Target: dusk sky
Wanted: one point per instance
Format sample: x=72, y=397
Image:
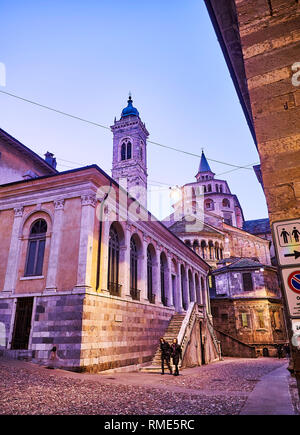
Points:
x=83, y=57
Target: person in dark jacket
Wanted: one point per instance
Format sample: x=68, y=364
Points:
x=176, y=354
x=279, y=350
x=165, y=349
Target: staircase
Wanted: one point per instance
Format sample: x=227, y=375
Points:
x=171, y=333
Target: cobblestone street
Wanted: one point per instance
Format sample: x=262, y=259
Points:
x=217, y=389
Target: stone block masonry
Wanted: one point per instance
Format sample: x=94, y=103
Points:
x=92, y=332
x=118, y=333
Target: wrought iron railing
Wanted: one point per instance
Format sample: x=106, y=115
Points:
x=114, y=288
x=135, y=294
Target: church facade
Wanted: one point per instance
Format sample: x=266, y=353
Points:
x=85, y=267
x=244, y=288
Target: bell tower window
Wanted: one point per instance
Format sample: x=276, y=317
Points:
x=126, y=150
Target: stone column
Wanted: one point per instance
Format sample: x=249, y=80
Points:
x=55, y=245
x=156, y=277
x=179, y=290
x=168, y=283
x=186, y=287
x=84, y=273
x=14, y=253
x=194, y=296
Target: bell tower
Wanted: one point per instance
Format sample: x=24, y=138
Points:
x=129, y=166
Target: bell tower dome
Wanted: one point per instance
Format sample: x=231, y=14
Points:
x=129, y=166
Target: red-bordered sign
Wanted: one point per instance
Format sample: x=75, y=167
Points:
x=294, y=281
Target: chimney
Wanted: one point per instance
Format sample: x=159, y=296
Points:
x=50, y=159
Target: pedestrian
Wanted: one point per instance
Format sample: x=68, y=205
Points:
x=279, y=351
x=176, y=354
x=287, y=350
x=165, y=349
x=53, y=358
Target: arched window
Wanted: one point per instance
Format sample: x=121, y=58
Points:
x=151, y=296
x=163, y=280
x=36, y=248
x=211, y=250
x=221, y=188
x=217, y=188
x=123, y=152
x=196, y=246
x=209, y=204
x=209, y=188
x=203, y=249
x=217, y=251
x=226, y=203
x=133, y=265
x=129, y=150
x=113, y=262
x=126, y=150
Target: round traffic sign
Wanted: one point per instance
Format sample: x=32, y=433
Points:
x=294, y=281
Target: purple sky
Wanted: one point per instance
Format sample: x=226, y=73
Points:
x=84, y=58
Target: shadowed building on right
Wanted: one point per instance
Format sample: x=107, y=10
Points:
x=247, y=308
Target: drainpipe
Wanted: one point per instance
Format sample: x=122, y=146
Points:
x=100, y=238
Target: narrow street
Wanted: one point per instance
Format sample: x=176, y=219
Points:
x=222, y=388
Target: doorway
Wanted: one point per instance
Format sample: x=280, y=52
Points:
x=22, y=326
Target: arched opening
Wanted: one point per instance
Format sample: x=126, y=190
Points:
x=134, y=267
x=126, y=150
x=123, y=151
x=113, y=262
x=174, y=284
x=191, y=286
x=129, y=150
x=198, y=292
x=36, y=248
x=217, y=251
x=150, y=265
x=163, y=279
x=203, y=249
x=196, y=246
x=211, y=250
x=226, y=203
x=183, y=288
x=209, y=204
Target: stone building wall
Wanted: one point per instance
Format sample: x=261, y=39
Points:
x=118, y=333
x=228, y=318
x=74, y=307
